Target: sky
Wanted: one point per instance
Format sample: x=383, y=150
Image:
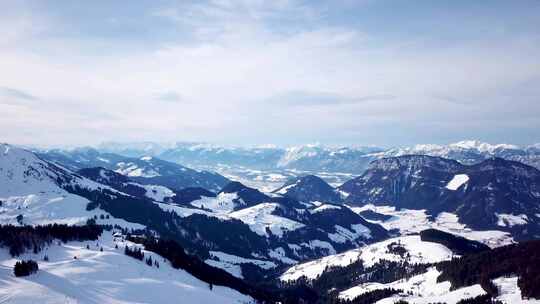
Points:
x=364, y=72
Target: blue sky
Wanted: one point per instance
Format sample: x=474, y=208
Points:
x=250, y=72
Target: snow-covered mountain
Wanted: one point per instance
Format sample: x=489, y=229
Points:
x=144, y=169
x=494, y=194
x=310, y=188
x=238, y=222
x=470, y=152
x=33, y=191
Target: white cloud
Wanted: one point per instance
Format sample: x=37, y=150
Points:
x=238, y=70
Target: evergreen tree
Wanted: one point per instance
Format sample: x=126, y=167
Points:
x=25, y=268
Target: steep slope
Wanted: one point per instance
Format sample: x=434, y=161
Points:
x=33, y=191
x=124, y=184
x=494, y=194
x=310, y=188
x=145, y=170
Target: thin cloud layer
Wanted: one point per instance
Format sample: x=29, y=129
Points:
x=11, y=93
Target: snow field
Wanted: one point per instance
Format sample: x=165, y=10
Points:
x=104, y=277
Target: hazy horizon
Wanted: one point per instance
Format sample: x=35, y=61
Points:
x=172, y=144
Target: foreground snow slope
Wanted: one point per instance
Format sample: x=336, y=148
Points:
x=104, y=277
x=422, y=288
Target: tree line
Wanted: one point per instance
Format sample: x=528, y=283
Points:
x=19, y=239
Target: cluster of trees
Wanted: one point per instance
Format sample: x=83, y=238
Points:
x=371, y=296
x=483, y=299
x=520, y=259
x=398, y=249
x=19, y=239
x=25, y=268
x=135, y=253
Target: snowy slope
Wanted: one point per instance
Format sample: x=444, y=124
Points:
x=32, y=188
x=509, y=291
x=457, y=181
x=157, y=193
x=104, y=277
x=231, y=263
x=259, y=218
x=419, y=251
x=222, y=204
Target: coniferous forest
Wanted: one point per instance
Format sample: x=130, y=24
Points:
x=19, y=239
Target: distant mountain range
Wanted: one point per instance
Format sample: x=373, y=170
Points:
x=319, y=158
x=144, y=169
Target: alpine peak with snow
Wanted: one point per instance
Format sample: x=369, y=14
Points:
x=290, y=151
